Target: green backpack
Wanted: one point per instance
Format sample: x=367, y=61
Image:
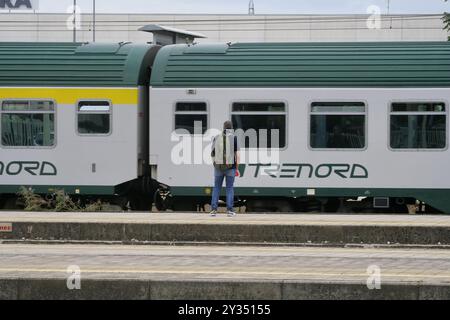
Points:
x=224, y=152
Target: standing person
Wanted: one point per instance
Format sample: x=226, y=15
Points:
x=225, y=154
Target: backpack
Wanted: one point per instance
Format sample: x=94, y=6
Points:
x=223, y=157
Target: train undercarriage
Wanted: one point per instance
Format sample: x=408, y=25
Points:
x=146, y=194
x=361, y=205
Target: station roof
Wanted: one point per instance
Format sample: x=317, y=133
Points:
x=75, y=64
x=356, y=64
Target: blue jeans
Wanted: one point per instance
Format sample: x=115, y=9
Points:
x=218, y=181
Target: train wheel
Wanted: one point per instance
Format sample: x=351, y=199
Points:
x=123, y=203
x=284, y=207
x=185, y=204
x=334, y=205
x=13, y=203
x=140, y=204
x=269, y=205
x=163, y=199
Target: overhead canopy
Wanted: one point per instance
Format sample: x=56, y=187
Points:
x=75, y=64
x=357, y=64
x=163, y=35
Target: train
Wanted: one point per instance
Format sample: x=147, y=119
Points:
x=340, y=127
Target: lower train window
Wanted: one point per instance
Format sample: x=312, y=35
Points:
x=94, y=117
x=190, y=116
x=27, y=123
x=418, y=125
x=260, y=124
x=338, y=125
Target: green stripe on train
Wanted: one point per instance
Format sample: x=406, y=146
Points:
x=81, y=190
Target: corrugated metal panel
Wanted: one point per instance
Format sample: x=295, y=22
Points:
x=359, y=64
x=75, y=64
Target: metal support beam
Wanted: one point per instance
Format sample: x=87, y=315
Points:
x=93, y=27
x=74, y=20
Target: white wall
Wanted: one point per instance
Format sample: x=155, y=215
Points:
x=224, y=28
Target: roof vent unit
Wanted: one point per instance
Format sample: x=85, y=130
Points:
x=164, y=36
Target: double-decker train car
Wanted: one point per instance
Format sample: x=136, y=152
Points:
x=340, y=127
x=361, y=126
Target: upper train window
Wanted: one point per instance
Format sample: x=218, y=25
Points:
x=94, y=117
x=338, y=125
x=260, y=124
x=191, y=117
x=418, y=125
x=27, y=123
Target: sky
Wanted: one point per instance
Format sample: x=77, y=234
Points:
x=241, y=6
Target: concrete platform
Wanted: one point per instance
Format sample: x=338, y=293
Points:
x=211, y=272
x=309, y=229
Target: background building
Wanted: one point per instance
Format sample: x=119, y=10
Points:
x=223, y=28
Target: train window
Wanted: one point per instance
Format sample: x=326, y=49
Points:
x=260, y=124
x=190, y=114
x=338, y=125
x=94, y=117
x=418, y=125
x=27, y=123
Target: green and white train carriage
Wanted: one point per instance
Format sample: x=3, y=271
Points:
x=75, y=117
x=357, y=121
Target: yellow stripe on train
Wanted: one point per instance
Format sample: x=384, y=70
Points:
x=72, y=95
